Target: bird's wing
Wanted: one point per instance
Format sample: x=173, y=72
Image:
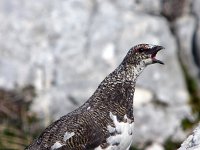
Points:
x=87, y=133
x=72, y=132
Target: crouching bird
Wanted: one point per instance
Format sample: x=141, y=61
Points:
x=106, y=120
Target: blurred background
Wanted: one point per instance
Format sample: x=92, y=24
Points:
x=54, y=53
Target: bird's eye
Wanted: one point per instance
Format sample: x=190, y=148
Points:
x=141, y=50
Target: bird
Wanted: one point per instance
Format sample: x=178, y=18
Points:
x=106, y=120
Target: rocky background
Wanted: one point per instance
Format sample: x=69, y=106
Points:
x=54, y=53
x=192, y=142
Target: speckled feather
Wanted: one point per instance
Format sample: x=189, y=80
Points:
x=86, y=128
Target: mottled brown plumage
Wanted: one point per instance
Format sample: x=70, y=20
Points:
x=91, y=125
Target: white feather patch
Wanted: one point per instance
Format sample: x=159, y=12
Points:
x=125, y=130
x=111, y=129
x=56, y=145
x=68, y=135
x=123, y=138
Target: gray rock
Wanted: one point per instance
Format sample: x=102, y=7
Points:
x=196, y=48
x=173, y=9
x=155, y=146
x=192, y=142
x=185, y=29
x=195, y=8
x=147, y=6
x=140, y=6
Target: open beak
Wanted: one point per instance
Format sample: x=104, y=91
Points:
x=153, y=51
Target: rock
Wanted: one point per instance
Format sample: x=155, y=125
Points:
x=195, y=8
x=36, y=33
x=196, y=48
x=152, y=116
x=143, y=97
x=173, y=9
x=192, y=142
x=140, y=6
x=147, y=6
x=155, y=146
x=185, y=29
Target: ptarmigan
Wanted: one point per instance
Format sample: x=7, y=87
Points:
x=106, y=120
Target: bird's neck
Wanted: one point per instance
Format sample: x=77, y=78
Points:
x=121, y=77
x=126, y=73
x=129, y=72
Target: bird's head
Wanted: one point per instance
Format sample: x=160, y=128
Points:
x=143, y=55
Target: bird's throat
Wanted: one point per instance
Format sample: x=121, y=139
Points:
x=130, y=72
